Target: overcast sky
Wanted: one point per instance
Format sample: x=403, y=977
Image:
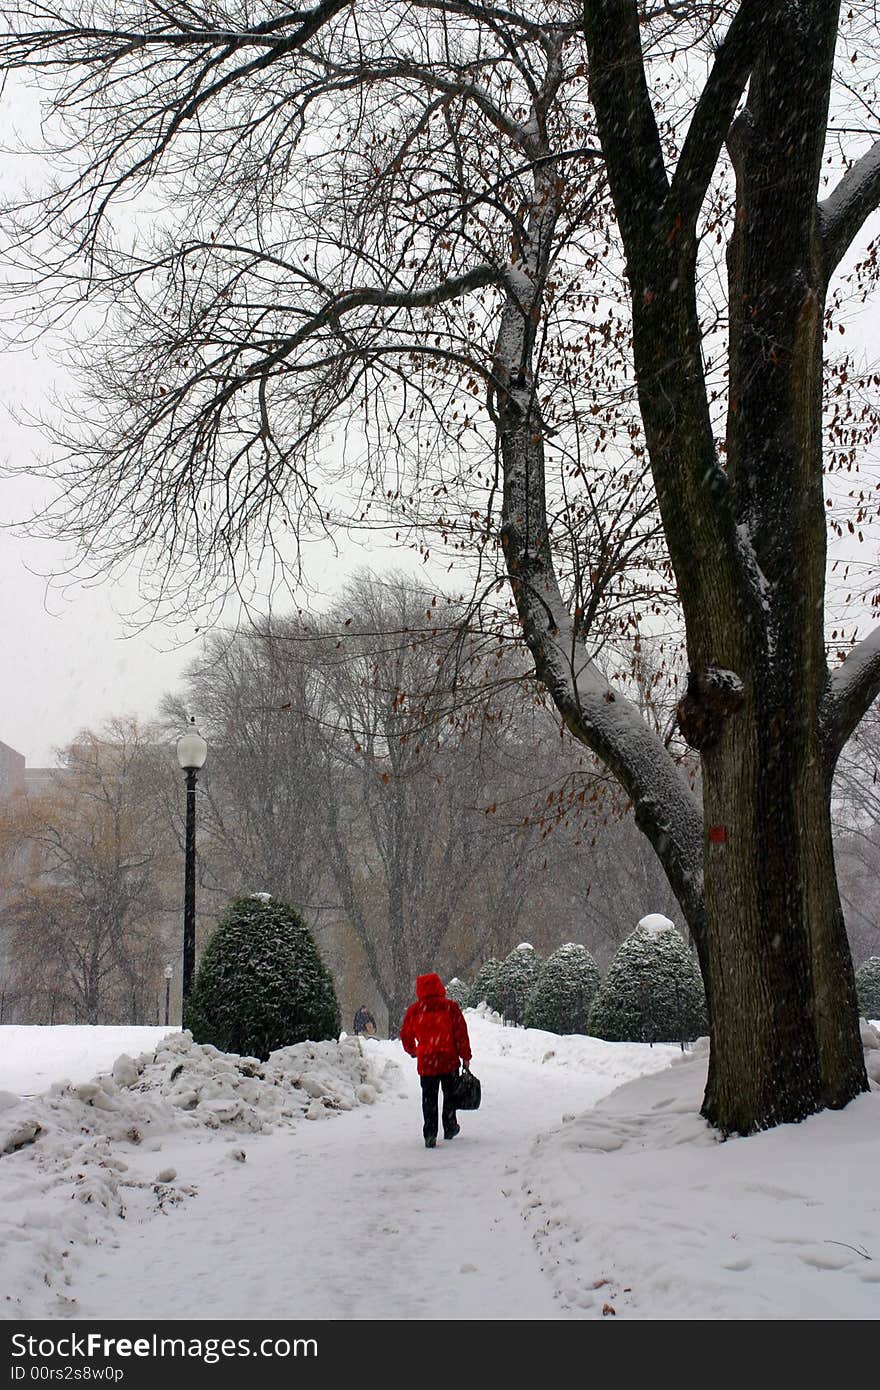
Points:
x=65, y=664
x=69, y=659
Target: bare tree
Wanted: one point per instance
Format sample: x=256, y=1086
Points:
x=402, y=217
x=766, y=716
x=353, y=756
x=422, y=758
x=255, y=810
x=609, y=880
x=83, y=914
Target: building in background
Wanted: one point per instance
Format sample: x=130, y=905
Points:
x=16, y=776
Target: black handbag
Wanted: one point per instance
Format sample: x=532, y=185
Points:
x=467, y=1091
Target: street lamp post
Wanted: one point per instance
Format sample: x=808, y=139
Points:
x=169, y=971
x=192, y=750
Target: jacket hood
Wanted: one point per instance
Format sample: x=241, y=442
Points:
x=430, y=987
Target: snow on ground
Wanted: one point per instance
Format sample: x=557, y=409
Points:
x=187, y=1183
x=31, y=1058
x=672, y=1223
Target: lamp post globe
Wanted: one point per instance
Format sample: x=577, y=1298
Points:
x=169, y=971
x=192, y=750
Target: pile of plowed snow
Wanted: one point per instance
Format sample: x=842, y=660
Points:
x=183, y=1083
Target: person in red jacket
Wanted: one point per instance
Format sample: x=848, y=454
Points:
x=435, y=1033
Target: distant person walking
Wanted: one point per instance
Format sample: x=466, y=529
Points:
x=435, y=1033
x=364, y=1021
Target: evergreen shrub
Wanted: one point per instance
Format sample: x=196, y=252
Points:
x=868, y=988
x=483, y=983
x=512, y=986
x=653, y=991
x=563, y=993
x=261, y=983
x=459, y=991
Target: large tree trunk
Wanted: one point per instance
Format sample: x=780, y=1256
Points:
x=785, y=1037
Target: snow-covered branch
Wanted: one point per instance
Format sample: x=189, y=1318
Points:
x=851, y=690
x=842, y=213
x=667, y=811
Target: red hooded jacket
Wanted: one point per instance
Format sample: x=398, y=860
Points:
x=434, y=1030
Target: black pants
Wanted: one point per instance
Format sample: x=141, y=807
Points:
x=430, y=1090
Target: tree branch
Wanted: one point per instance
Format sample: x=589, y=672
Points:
x=850, y=692
x=474, y=279
x=18, y=48
x=843, y=212
x=715, y=109
x=627, y=125
x=497, y=15
x=466, y=88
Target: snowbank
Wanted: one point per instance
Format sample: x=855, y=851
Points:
x=182, y=1083
x=640, y=1210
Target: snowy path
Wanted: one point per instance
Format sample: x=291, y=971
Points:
x=548, y=1206
x=351, y=1218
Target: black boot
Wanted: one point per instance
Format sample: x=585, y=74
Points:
x=430, y=1143
x=451, y=1133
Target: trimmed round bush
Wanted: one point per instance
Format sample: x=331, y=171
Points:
x=868, y=987
x=459, y=991
x=511, y=989
x=653, y=991
x=483, y=983
x=261, y=983
x=566, y=984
